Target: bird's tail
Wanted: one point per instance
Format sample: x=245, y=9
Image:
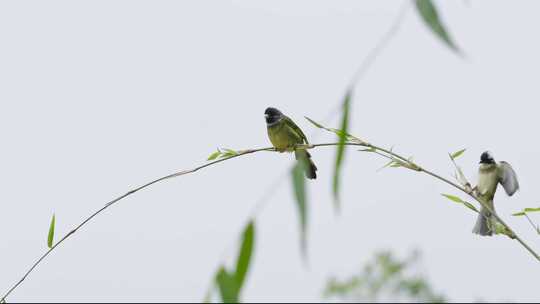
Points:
x=310, y=168
x=485, y=223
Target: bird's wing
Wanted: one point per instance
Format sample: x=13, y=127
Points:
x=296, y=129
x=508, y=178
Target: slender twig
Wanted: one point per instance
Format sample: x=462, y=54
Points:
x=381, y=44
x=116, y=200
x=358, y=142
x=469, y=192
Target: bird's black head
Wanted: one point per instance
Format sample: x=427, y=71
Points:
x=487, y=158
x=272, y=115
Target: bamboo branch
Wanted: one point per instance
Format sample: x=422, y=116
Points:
x=354, y=142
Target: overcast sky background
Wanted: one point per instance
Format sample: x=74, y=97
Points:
x=98, y=97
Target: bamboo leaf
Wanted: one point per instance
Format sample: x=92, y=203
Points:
x=228, y=286
x=244, y=257
x=470, y=206
x=230, y=152
x=340, y=152
x=457, y=154
x=316, y=124
x=214, y=155
x=50, y=237
x=453, y=198
x=525, y=211
x=298, y=180
x=429, y=14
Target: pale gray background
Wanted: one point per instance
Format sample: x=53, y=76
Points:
x=98, y=97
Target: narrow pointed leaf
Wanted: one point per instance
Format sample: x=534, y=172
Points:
x=228, y=287
x=470, y=206
x=457, y=154
x=214, y=155
x=532, y=209
x=299, y=180
x=453, y=198
x=519, y=213
x=388, y=164
x=316, y=124
x=50, y=237
x=244, y=257
x=429, y=14
x=230, y=152
x=340, y=152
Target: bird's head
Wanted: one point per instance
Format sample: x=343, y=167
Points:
x=487, y=158
x=272, y=115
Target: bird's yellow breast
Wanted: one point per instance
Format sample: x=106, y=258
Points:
x=283, y=137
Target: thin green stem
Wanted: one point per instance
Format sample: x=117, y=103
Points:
x=357, y=142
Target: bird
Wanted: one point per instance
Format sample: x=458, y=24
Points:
x=490, y=175
x=284, y=135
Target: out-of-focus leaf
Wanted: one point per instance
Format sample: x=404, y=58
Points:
x=50, y=237
x=228, y=287
x=519, y=213
x=208, y=296
x=429, y=14
x=532, y=209
x=457, y=154
x=340, y=152
x=230, y=284
x=244, y=257
x=214, y=155
x=299, y=186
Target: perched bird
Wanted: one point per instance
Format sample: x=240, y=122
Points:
x=285, y=135
x=490, y=174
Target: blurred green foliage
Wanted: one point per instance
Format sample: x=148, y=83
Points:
x=385, y=279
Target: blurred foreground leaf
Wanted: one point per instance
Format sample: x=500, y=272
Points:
x=340, y=152
x=429, y=14
x=299, y=187
x=230, y=283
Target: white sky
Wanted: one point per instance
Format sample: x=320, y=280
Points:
x=99, y=97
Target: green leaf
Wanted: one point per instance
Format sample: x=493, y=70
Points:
x=228, y=286
x=50, y=238
x=340, y=153
x=453, y=198
x=460, y=201
x=214, y=155
x=230, y=152
x=525, y=211
x=318, y=125
x=470, y=206
x=244, y=257
x=457, y=154
x=299, y=186
x=429, y=14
